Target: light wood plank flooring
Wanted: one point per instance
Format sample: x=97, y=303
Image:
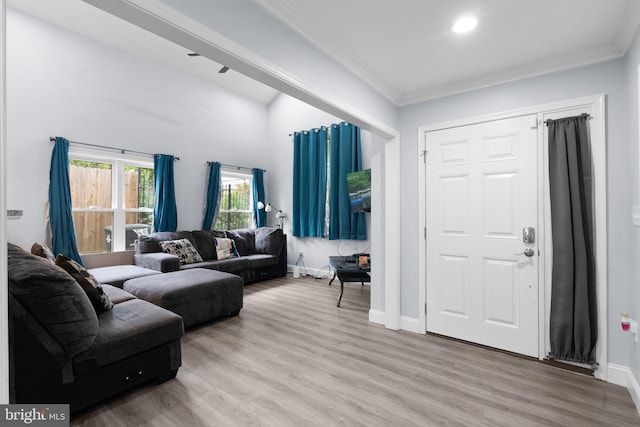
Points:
x=292, y=358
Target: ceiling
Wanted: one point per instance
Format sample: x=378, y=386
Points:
x=405, y=49
x=92, y=22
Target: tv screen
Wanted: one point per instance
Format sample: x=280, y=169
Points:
x=359, y=187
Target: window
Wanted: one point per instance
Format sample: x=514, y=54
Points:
x=235, y=201
x=112, y=201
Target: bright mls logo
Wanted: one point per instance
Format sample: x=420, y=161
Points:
x=34, y=415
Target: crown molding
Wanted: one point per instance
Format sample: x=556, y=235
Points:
x=513, y=74
x=628, y=27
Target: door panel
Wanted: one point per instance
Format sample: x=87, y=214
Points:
x=481, y=187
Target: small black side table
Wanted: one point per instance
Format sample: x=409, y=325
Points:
x=347, y=270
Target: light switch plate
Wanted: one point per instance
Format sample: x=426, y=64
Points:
x=635, y=216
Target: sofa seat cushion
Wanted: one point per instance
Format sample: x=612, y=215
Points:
x=261, y=260
x=198, y=294
x=117, y=295
x=116, y=275
x=131, y=327
x=211, y=265
x=232, y=265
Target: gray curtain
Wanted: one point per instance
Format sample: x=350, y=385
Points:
x=573, y=327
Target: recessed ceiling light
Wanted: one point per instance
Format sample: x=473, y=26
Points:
x=464, y=25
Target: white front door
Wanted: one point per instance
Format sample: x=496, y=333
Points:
x=481, y=192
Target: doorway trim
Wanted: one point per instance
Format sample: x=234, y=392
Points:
x=4, y=292
x=598, y=145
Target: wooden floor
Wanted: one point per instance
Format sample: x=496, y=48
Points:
x=292, y=358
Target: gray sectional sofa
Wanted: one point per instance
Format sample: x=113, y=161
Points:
x=65, y=351
x=262, y=252
x=66, y=348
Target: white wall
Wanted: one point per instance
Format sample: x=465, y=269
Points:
x=62, y=84
x=250, y=26
x=608, y=78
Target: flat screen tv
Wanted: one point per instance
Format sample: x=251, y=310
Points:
x=359, y=187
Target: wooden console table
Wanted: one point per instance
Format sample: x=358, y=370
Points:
x=346, y=269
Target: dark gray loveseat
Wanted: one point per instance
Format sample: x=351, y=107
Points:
x=62, y=351
x=263, y=252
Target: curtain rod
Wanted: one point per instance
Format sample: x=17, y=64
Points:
x=585, y=115
x=122, y=150
x=234, y=166
x=326, y=127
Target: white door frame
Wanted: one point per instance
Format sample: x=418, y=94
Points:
x=598, y=145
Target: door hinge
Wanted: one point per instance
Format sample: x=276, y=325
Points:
x=425, y=308
x=424, y=155
x=534, y=123
x=425, y=233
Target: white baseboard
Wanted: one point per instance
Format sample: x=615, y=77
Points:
x=621, y=375
x=617, y=374
x=320, y=273
x=410, y=324
x=376, y=316
x=406, y=323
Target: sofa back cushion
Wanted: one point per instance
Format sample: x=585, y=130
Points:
x=54, y=299
x=151, y=242
x=205, y=241
x=245, y=240
x=269, y=240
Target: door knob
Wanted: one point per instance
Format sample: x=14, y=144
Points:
x=527, y=252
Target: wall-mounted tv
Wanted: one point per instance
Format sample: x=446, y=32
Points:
x=359, y=187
